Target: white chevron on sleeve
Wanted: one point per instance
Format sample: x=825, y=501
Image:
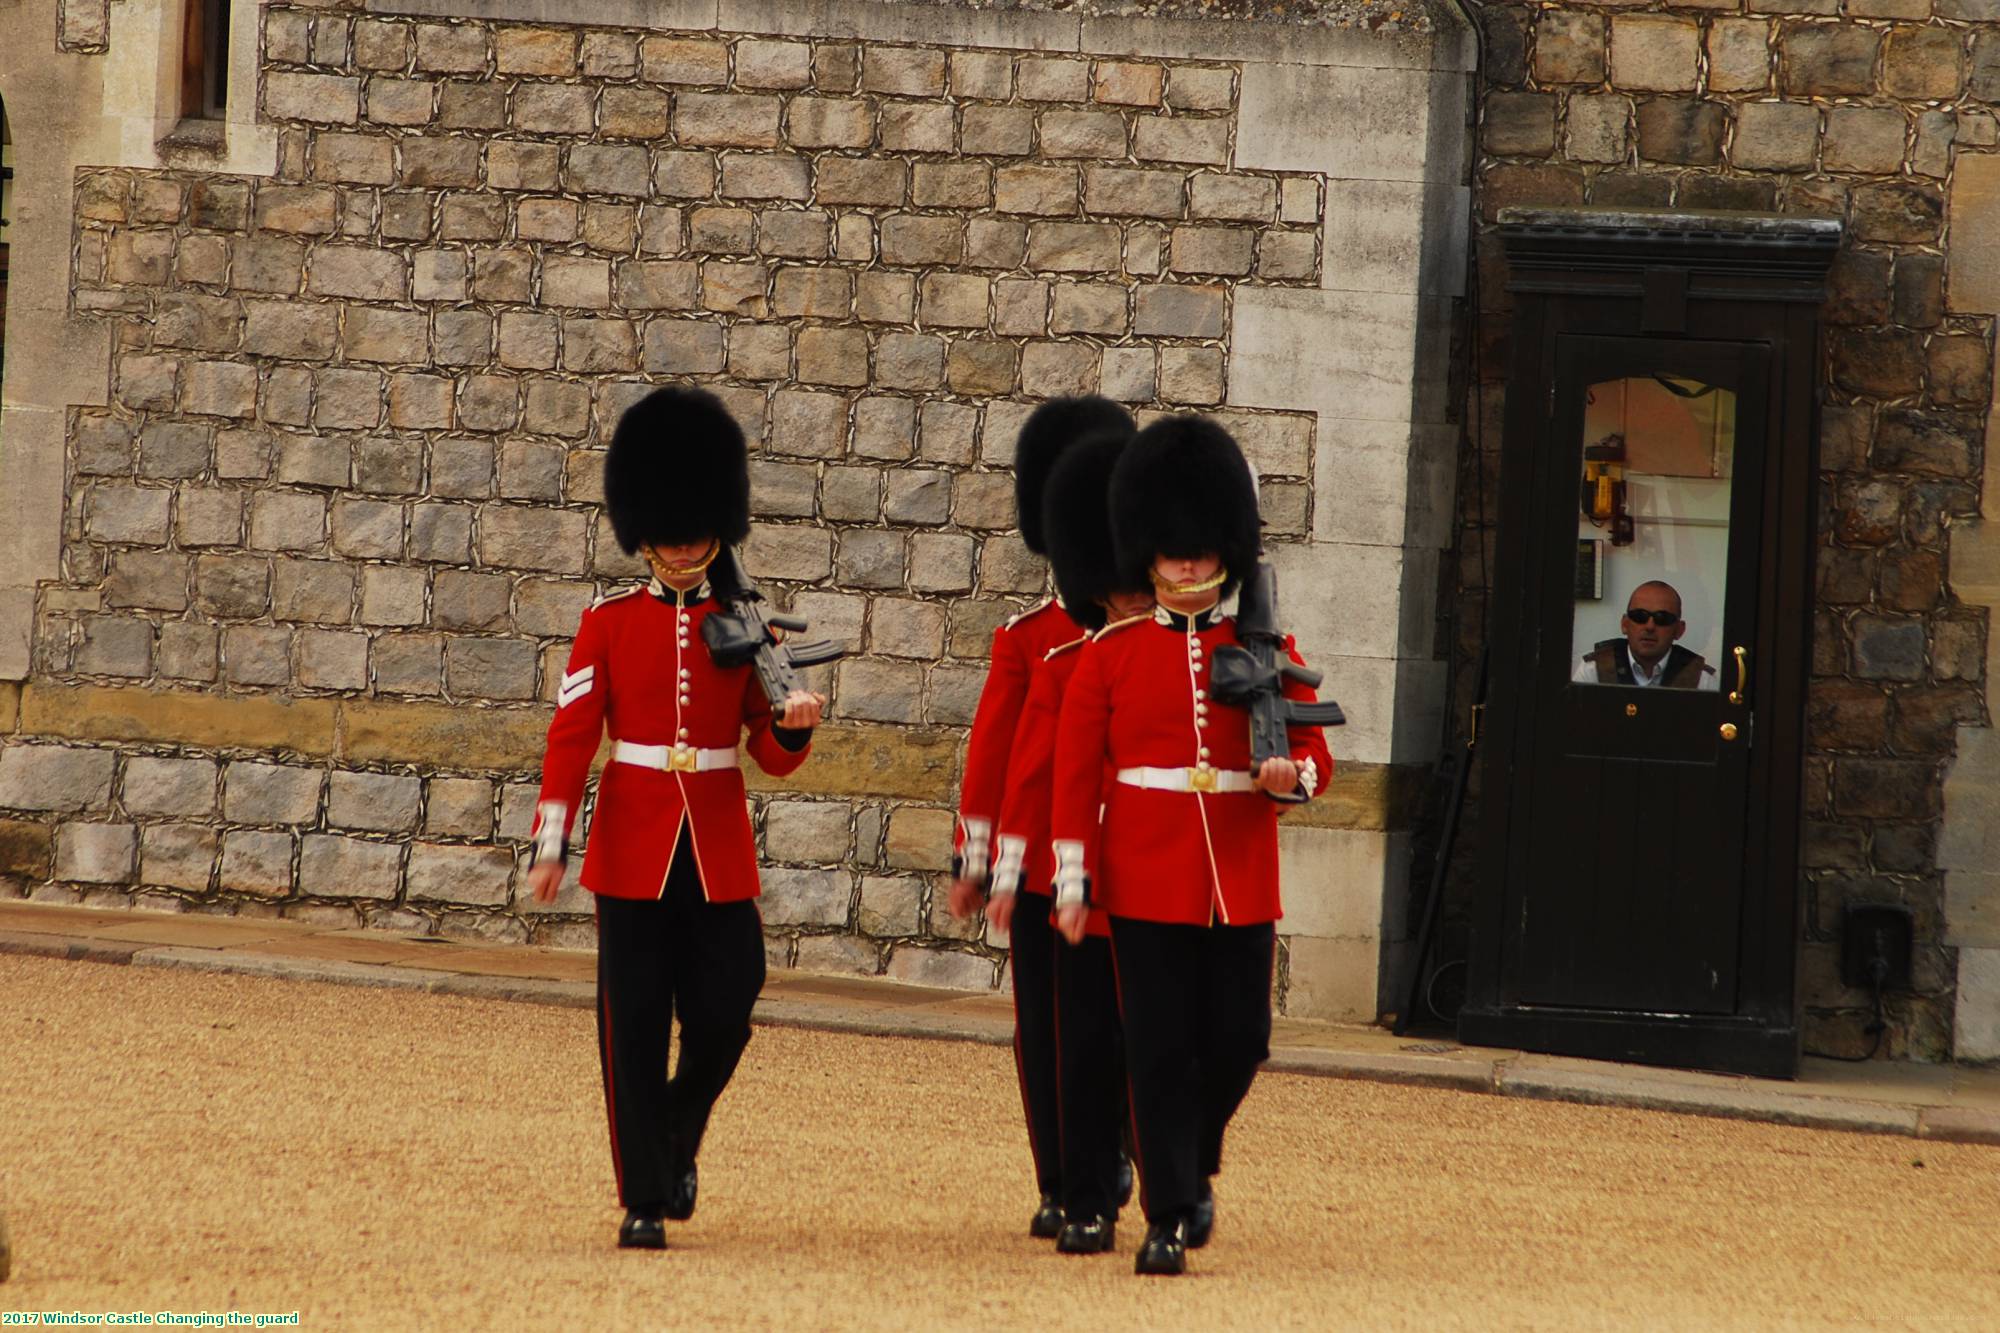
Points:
x=575, y=685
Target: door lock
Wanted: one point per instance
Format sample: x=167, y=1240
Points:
x=1729, y=731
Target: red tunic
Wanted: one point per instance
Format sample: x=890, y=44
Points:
x=639, y=669
x=1031, y=777
x=1139, y=698
x=1017, y=646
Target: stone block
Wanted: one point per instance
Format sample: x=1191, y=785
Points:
x=177, y=856
x=1739, y=55
x=1972, y=263
x=916, y=127
x=800, y=897
x=325, y=99
x=1654, y=53
x=96, y=853
x=116, y=646
x=333, y=659
x=490, y=668
x=59, y=778
x=1519, y=124
x=997, y=131
x=1776, y=136
x=1181, y=311
x=1569, y=48
x=981, y=366
x=1922, y=63
x=183, y=788
x=890, y=905
x=1909, y=213
x=948, y=969
x=1864, y=139
x=1200, y=142
x=805, y=554
x=154, y=580
x=256, y=862
x=1825, y=60
x=377, y=802
x=815, y=832
x=726, y=120
x=903, y=71
x=1682, y=131
x=408, y=664
x=261, y=793
x=552, y=541
x=609, y=169
x=1334, y=980
x=478, y=876
x=337, y=867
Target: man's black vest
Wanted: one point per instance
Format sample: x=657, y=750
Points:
x=1613, y=658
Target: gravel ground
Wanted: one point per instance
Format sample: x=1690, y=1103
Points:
x=178, y=1141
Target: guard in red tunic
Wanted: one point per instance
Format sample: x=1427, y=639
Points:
x=671, y=858
x=1187, y=862
x=1091, y=1100
x=1017, y=647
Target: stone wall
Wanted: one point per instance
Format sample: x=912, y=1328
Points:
x=328, y=522
x=1877, y=112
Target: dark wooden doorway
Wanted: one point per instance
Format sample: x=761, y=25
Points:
x=1651, y=633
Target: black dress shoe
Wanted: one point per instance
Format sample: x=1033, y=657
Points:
x=642, y=1231
x=1048, y=1219
x=1124, y=1181
x=1201, y=1219
x=1164, y=1252
x=680, y=1195
x=1092, y=1235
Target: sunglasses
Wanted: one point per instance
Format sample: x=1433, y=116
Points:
x=1657, y=617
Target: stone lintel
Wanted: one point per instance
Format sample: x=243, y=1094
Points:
x=177, y=717
x=851, y=760
x=1448, y=46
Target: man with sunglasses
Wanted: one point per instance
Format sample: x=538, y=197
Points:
x=1650, y=653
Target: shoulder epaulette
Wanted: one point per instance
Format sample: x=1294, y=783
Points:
x=1031, y=611
x=1121, y=624
x=614, y=596
x=1062, y=648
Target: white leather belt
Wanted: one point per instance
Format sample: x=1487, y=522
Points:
x=672, y=758
x=1186, y=779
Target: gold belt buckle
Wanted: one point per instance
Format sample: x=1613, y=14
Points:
x=1201, y=779
x=681, y=760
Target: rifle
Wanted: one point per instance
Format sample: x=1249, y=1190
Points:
x=1253, y=675
x=744, y=634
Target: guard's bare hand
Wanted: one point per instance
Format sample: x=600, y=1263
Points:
x=965, y=896
x=544, y=881
x=802, y=710
x=1278, y=776
x=1000, y=911
x=1069, y=921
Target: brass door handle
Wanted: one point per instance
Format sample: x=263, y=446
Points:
x=1737, y=695
x=1729, y=731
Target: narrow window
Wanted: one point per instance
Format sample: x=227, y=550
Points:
x=204, y=59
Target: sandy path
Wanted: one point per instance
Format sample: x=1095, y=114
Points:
x=175, y=1141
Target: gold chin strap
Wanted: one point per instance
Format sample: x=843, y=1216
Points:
x=1220, y=577
x=667, y=571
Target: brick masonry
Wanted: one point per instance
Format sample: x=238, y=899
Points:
x=326, y=535
x=1868, y=112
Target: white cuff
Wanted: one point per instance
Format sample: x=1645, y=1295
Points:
x=1007, y=865
x=550, y=816
x=1072, y=885
x=976, y=850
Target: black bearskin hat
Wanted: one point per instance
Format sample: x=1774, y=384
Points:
x=677, y=472
x=1183, y=488
x=1049, y=430
x=1076, y=522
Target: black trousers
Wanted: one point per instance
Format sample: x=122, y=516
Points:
x=1091, y=1060
x=1196, y=1001
x=679, y=954
x=1032, y=942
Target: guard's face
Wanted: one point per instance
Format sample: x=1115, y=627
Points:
x=1125, y=604
x=1172, y=573
x=1647, y=638
x=681, y=565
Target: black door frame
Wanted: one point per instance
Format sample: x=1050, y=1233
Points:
x=1729, y=278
